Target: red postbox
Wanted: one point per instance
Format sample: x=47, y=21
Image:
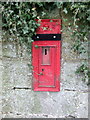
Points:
x=46, y=54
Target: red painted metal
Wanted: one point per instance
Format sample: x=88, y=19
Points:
x=46, y=58
x=49, y=26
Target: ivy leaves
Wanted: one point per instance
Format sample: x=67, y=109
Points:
x=65, y=11
x=19, y=19
x=85, y=71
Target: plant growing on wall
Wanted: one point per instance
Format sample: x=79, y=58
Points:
x=81, y=31
x=18, y=19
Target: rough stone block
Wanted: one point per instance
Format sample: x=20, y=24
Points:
x=68, y=53
x=7, y=101
x=8, y=49
x=69, y=79
x=12, y=49
x=1, y=88
x=59, y=104
x=65, y=103
x=0, y=49
x=16, y=73
x=24, y=52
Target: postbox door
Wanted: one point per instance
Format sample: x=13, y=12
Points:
x=47, y=66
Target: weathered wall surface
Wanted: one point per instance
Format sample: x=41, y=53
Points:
x=71, y=101
x=0, y=80
x=0, y=71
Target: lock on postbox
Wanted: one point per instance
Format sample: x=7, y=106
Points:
x=46, y=54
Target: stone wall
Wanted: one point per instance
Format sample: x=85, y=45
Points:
x=70, y=102
x=1, y=67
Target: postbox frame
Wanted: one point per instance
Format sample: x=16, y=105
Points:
x=35, y=63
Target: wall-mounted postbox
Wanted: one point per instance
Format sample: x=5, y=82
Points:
x=46, y=54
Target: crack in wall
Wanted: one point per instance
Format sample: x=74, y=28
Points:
x=85, y=91
x=25, y=88
x=28, y=88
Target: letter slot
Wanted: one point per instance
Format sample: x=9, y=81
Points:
x=45, y=55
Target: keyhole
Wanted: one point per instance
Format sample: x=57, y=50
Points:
x=42, y=69
x=45, y=51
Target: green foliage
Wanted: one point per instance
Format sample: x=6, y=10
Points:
x=85, y=70
x=19, y=20
x=78, y=46
x=36, y=46
x=80, y=13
